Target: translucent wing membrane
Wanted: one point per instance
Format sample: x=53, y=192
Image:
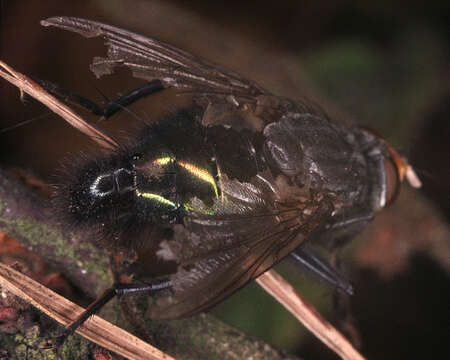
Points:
x=151, y=59
x=257, y=244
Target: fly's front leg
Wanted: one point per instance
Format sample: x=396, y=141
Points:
x=111, y=107
x=344, y=228
x=314, y=263
x=331, y=236
x=117, y=290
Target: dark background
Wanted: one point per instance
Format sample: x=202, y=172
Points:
x=376, y=63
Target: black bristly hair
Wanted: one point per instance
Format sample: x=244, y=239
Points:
x=106, y=219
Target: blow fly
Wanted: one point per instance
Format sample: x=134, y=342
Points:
x=212, y=195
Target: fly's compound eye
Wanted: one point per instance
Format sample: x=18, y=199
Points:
x=395, y=167
x=393, y=181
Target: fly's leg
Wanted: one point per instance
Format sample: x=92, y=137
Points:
x=345, y=228
x=117, y=290
x=314, y=263
x=331, y=236
x=111, y=107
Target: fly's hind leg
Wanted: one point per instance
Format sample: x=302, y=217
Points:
x=111, y=107
x=119, y=290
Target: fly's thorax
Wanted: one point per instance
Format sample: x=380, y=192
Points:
x=313, y=151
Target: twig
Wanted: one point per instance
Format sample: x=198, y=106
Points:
x=25, y=84
x=64, y=311
x=281, y=290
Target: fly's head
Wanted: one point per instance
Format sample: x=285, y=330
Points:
x=389, y=169
x=354, y=168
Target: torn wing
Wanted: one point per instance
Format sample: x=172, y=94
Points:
x=151, y=59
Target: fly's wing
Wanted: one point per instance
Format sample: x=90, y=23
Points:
x=151, y=59
x=219, y=254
